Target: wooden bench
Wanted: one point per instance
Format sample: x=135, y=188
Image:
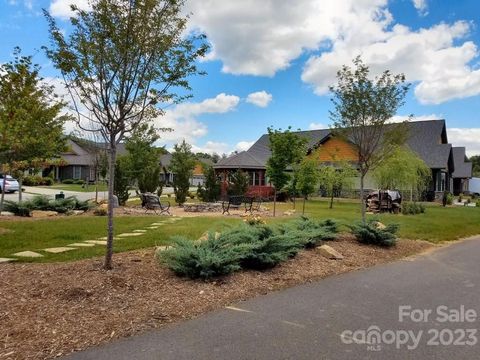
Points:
x=152, y=202
x=236, y=201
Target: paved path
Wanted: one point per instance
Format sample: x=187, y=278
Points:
x=305, y=322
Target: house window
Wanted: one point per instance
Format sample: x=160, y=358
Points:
x=441, y=181
x=77, y=172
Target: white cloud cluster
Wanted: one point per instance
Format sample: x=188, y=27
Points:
x=421, y=6
x=317, y=126
x=261, y=38
x=259, y=98
x=62, y=8
x=468, y=137
x=183, y=118
x=402, y=118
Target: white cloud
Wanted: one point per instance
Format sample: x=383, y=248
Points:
x=62, y=8
x=317, y=126
x=262, y=38
x=244, y=145
x=212, y=147
x=259, y=98
x=428, y=56
x=402, y=118
x=183, y=118
x=421, y=6
x=468, y=137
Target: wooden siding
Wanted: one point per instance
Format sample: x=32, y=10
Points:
x=335, y=149
x=198, y=170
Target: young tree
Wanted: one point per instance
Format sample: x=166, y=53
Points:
x=143, y=158
x=307, y=179
x=404, y=170
x=475, y=165
x=362, y=107
x=238, y=183
x=31, y=124
x=212, y=189
x=182, y=165
x=122, y=180
x=287, y=148
x=121, y=62
x=336, y=177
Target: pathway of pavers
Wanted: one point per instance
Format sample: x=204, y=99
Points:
x=89, y=243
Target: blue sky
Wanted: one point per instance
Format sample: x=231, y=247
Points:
x=285, y=57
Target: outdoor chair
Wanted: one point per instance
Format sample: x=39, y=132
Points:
x=152, y=202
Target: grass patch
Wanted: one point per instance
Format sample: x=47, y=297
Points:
x=39, y=234
x=76, y=187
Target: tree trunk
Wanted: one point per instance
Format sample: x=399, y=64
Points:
x=111, y=179
x=411, y=194
x=303, y=209
x=274, y=201
x=3, y=193
x=19, y=189
x=331, y=200
x=362, y=198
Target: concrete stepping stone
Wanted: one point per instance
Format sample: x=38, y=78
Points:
x=28, y=253
x=81, y=244
x=96, y=242
x=58, y=250
x=152, y=227
x=130, y=234
x=6, y=260
x=139, y=231
x=158, y=224
x=104, y=238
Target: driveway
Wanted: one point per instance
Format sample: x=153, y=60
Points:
x=329, y=318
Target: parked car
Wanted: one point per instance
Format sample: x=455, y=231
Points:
x=11, y=184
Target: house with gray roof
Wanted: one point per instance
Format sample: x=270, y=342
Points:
x=462, y=172
x=428, y=139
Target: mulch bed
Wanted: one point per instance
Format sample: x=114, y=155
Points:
x=49, y=310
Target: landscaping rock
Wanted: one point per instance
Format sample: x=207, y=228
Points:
x=379, y=225
x=43, y=213
x=81, y=245
x=96, y=242
x=129, y=234
x=161, y=248
x=31, y=254
x=202, y=207
x=7, y=213
x=115, y=201
x=78, y=212
x=6, y=260
x=205, y=236
x=58, y=250
x=329, y=252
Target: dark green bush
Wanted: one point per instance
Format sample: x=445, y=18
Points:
x=371, y=234
x=68, y=181
x=42, y=202
x=310, y=232
x=203, y=260
x=79, y=182
x=413, y=208
x=36, y=180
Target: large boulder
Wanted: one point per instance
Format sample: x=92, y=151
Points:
x=329, y=252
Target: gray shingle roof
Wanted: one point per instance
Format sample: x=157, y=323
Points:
x=426, y=138
x=463, y=168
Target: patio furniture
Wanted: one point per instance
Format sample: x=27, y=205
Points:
x=152, y=202
x=236, y=201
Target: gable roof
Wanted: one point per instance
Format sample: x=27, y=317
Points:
x=463, y=167
x=427, y=138
x=79, y=151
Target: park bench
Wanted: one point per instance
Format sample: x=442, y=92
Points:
x=152, y=202
x=236, y=201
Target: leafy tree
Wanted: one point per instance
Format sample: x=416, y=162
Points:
x=336, y=177
x=238, y=183
x=182, y=165
x=287, y=148
x=143, y=158
x=31, y=124
x=122, y=183
x=212, y=189
x=121, y=62
x=307, y=179
x=476, y=165
x=404, y=170
x=362, y=107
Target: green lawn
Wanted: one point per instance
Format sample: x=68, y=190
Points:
x=438, y=224
x=35, y=235
x=76, y=187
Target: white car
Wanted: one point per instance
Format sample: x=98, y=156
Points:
x=11, y=184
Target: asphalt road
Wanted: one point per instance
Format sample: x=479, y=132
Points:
x=307, y=322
